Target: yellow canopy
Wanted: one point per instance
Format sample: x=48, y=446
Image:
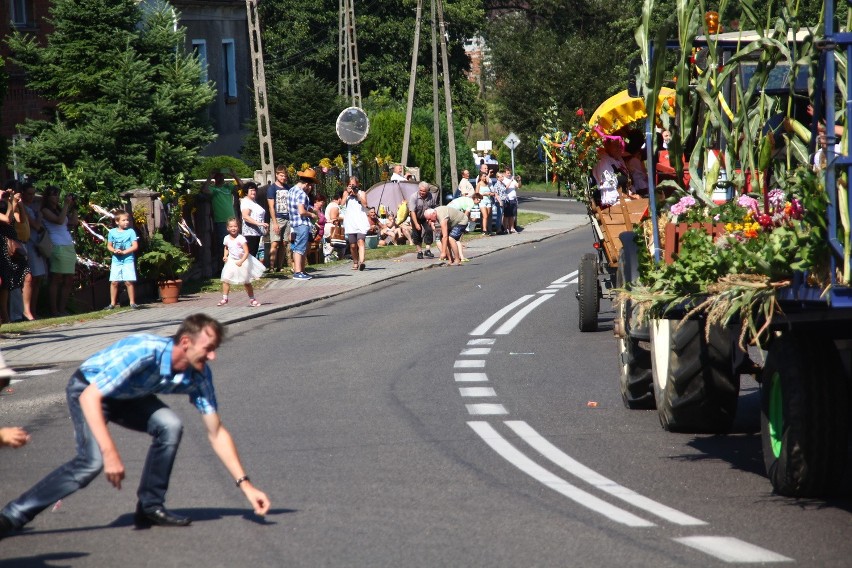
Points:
x=621, y=110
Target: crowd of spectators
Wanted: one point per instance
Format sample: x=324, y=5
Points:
x=488, y=203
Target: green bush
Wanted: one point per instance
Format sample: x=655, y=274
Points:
x=162, y=260
x=225, y=163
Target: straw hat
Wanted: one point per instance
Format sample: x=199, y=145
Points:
x=307, y=175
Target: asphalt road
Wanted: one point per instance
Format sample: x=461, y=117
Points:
x=404, y=426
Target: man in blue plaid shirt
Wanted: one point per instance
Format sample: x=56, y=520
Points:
x=301, y=214
x=120, y=384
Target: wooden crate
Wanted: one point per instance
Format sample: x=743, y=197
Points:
x=674, y=232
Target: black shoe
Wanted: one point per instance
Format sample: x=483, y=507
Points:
x=6, y=527
x=419, y=255
x=428, y=253
x=159, y=516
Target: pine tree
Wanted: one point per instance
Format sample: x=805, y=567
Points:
x=128, y=97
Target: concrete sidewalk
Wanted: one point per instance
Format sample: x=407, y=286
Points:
x=71, y=343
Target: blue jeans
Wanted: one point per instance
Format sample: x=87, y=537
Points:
x=497, y=216
x=147, y=414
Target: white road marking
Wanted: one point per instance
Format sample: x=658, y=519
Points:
x=471, y=377
x=572, y=466
x=486, y=409
x=34, y=372
x=485, y=341
x=486, y=325
x=558, y=286
x=477, y=391
x=567, y=277
x=469, y=364
x=476, y=351
x=545, y=292
x=511, y=454
x=521, y=314
x=574, y=281
x=730, y=549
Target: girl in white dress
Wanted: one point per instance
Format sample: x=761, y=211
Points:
x=240, y=266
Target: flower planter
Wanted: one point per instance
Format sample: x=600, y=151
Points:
x=169, y=290
x=675, y=231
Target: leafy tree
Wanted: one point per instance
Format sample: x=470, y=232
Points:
x=129, y=98
x=303, y=111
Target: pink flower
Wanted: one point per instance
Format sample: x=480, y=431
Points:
x=683, y=205
x=748, y=203
x=580, y=112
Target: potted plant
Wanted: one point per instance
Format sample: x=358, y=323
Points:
x=165, y=263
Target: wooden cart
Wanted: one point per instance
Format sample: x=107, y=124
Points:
x=598, y=271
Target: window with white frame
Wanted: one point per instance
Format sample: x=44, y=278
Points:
x=229, y=71
x=199, y=47
x=19, y=12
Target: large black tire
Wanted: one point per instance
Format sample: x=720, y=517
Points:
x=696, y=384
x=588, y=290
x=804, y=416
x=636, y=378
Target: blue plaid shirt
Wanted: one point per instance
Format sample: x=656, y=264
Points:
x=140, y=365
x=296, y=196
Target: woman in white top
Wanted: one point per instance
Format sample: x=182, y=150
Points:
x=63, y=259
x=253, y=216
x=355, y=222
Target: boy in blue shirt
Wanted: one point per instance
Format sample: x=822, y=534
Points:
x=122, y=242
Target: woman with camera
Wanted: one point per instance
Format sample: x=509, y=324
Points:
x=58, y=219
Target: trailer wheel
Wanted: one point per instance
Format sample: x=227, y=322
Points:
x=696, y=384
x=636, y=380
x=588, y=291
x=804, y=417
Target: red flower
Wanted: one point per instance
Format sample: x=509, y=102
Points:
x=580, y=112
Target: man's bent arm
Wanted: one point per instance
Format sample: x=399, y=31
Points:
x=91, y=403
x=223, y=445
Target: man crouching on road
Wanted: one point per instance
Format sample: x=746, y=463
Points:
x=120, y=384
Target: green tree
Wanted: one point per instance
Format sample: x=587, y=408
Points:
x=129, y=97
x=303, y=111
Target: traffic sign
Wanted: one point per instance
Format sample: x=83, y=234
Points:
x=512, y=141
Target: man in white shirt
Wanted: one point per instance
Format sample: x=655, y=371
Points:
x=465, y=187
x=397, y=173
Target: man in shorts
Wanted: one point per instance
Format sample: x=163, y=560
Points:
x=452, y=223
x=421, y=231
x=301, y=213
x=279, y=227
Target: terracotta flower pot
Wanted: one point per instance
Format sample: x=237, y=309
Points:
x=169, y=290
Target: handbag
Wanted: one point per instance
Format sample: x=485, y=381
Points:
x=336, y=233
x=17, y=251
x=44, y=245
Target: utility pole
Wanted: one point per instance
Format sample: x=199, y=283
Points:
x=448, y=101
x=409, y=109
x=264, y=135
x=437, y=15
x=348, y=78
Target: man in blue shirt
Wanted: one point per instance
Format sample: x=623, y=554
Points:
x=301, y=214
x=119, y=384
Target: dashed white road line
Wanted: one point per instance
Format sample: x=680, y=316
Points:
x=486, y=409
x=525, y=464
x=477, y=391
x=513, y=321
x=730, y=549
x=476, y=351
x=727, y=549
x=572, y=466
x=469, y=364
x=470, y=377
